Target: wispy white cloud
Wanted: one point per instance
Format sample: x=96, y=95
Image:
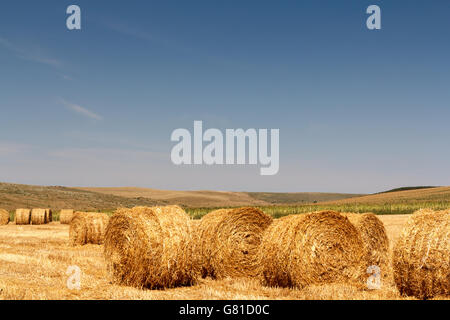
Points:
x=81, y=110
x=130, y=31
x=30, y=54
x=8, y=148
x=170, y=43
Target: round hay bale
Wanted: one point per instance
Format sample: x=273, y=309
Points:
x=228, y=241
x=65, y=216
x=38, y=216
x=23, y=216
x=49, y=215
x=422, y=255
x=315, y=248
x=375, y=241
x=4, y=217
x=150, y=248
x=88, y=227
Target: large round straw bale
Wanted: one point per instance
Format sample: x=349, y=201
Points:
x=38, y=216
x=228, y=242
x=23, y=216
x=150, y=247
x=315, y=248
x=88, y=227
x=4, y=217
x=65, y=216
x=49, y=215
x=422, y=255
x=375, y=240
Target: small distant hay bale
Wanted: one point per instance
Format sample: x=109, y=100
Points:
x=4, y=217
x=49, y=215
x=88, y=227
x=314, y=248
x=150, y=248
x=23, y=216
x=422, y=255
x=38, y=216
x=65, y=216
x=228, y=242
x=375, y=240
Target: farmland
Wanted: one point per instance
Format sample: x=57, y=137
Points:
x=34, y=261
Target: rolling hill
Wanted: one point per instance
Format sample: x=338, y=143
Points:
x=221, y=198
x=13, y=196
x=429, y=194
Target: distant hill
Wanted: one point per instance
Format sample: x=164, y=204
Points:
x=13, y=196
x=416, y=195
x=408, y=188
x=300, y=198
x=221, y=198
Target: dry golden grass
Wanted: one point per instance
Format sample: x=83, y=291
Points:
x=187, y=198
x=408, y=196
x=217, y=198
x=34, y=261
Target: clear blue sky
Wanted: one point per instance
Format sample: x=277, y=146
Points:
x=358, y=110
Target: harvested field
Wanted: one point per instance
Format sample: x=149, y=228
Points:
x=34, y=261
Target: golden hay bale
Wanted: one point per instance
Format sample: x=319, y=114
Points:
x=422, y=255
x=315, y=248
x=23, y=216
x=4, y=217
x=38, y=216
x=150, y=247
x=88, y=227
x=65, y=216
x=375, y=240
x=228, y=241
x=49, y=215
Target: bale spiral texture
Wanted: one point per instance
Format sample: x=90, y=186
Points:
x=88, y=227
x=315, y=248
x=150, y=248
x=4, y=217
x=422, y=255
x=38, y=216
x=65, y=216
x=228, y=242
x=375, y=241
x=23, y=216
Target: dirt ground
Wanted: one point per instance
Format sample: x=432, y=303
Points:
x=34, y=261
